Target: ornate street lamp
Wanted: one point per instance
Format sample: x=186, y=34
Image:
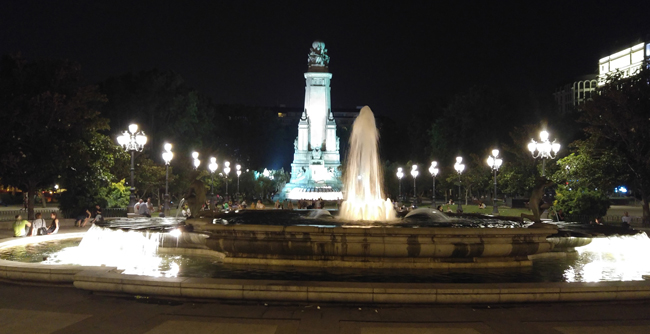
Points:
x=213, y=168
x=400, y=175
x=196, y=162
x=459, y=167
x=494, y=162
x=238, y=167
x=132, y=141
x=415, y=173
x=167, y=156
x=226, y=171
x=433, y=169
x=544, y=149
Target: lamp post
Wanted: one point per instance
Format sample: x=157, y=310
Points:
x=197, y=162
x=167, y=156
x=433, y=169
x=213, y=168
x=544, y=149
x=415, y=173
x=459, y=167
x=132, y=141
x=226, y=171
x=238, y=167
x=494, y=162
x=400, y=175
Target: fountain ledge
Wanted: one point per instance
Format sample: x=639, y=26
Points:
x=109, y=280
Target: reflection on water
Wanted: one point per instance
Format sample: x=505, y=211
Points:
x=605, y=259
x=611, y=259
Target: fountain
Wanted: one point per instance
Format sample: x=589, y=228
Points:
x=366, y=233
x=363, y=175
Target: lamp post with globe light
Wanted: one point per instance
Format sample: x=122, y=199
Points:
x=495, y=162
x=213, y=168
x=238, y=168
x=167, y=156
x=459, y=167
x=433, y=169
x=226, y=171
x=544, y=149
x=196, y=162
x=132, y=141
x=400, y=175
x=415, y=173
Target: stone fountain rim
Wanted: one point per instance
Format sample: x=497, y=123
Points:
x=109, y=280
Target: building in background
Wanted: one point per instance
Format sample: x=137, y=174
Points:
x=628, y=61
x=569, y=96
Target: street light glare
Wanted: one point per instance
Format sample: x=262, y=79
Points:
x=459, y=160
x=495, y=153
x=543, y=135
x=195, y=155
x=168, y=147
x=133, y=128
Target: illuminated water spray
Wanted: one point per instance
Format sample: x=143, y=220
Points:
x=134, y=252
x=363, y=174
x=615, y=258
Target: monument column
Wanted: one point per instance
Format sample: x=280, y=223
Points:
x=315, y=168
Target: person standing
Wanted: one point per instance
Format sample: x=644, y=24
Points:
x=20, y=226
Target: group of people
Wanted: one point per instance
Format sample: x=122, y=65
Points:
x=38, y=226
x=89, y=216
x=143, y=208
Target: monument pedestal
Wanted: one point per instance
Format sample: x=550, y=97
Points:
x=315, y=171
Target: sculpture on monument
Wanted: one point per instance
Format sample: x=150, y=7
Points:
x=318, y=55
x=316, y=149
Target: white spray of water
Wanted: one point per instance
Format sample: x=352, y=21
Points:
x=615, y=258
x=363, y=174
x=135, y=252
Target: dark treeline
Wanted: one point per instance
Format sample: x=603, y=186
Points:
x=60, y=130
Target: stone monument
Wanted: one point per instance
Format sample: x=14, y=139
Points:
x=315, y=171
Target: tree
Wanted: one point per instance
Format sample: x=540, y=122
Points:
x=617, y=121
x=49, y=119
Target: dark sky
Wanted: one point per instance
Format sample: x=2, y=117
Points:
x=389, y=55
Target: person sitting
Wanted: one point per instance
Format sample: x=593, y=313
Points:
x=481, y=205
x=260, y=205
x=98, y=217
x=143, y=209
x=39, y=226
x=82, y=219
x=560, y=215
x=186, y=212
x=21, y=226
x=54, y=227
x=136, y=207
x=439, y=208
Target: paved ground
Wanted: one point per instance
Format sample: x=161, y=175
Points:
x=37, y=309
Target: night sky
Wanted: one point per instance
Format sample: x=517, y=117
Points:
x=393, y=56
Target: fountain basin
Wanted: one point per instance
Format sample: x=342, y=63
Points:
x=378, y=247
